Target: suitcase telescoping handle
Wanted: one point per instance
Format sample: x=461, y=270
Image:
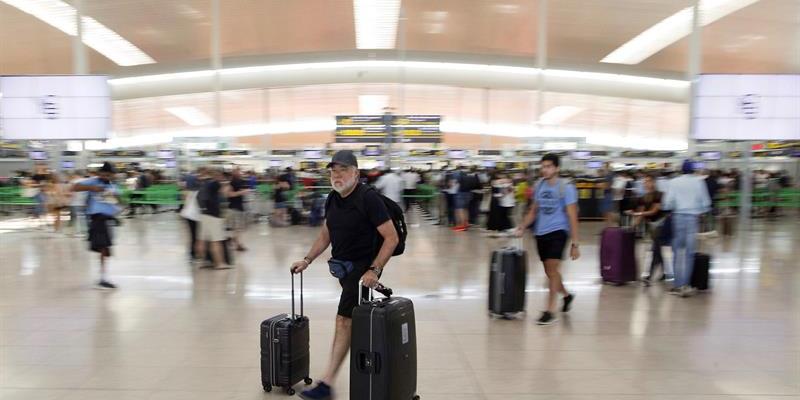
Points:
x=380, y=289
x=294, y=316
x=516, y=243
x=519, y=242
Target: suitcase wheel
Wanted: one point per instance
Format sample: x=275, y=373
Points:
x=267, y=388
x=308, y=381
x=290, y=391
x=415, y=398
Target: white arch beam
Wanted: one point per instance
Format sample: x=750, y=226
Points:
x=414, y=72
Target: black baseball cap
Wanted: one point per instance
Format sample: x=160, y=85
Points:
x=108, y=167
x=344, y=157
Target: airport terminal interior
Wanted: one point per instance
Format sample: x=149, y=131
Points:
x=552, y=199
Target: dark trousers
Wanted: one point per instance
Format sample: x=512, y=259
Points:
x=658, y=258
x=408, y=200
x=451, y=208
x=475, y=207
x=193, y=237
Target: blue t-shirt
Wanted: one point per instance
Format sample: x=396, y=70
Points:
x=101, y=202
x=552, y=202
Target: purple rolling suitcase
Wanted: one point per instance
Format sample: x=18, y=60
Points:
x=618, y=256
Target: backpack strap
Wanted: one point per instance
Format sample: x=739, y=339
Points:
x=561, y=189
x=536, y=187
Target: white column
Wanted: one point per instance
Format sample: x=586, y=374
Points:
x=746, y=190
x=485, y=119
x=266, y=138
x=693, y=69
x=401, y=50
x=216, y=63
x=541, y=60
x=80, y=64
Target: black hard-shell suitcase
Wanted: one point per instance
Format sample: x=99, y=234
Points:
x=285, y=356
x=507, y=281
x=383, y=354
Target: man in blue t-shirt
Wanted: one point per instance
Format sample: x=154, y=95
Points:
x=555, y=213
x=102, y=207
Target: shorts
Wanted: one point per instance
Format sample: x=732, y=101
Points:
x=350, y=290
x=212, y=229
x=606, y=205
x=551, y=245
x=99, y=233
x=237, y=220
x=462, y=200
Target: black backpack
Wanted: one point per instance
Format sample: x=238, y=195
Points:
x=469, y=182
x=395, y=214
x=202, y=196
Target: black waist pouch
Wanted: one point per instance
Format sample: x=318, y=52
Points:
x=340, y=269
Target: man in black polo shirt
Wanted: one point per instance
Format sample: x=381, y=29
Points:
x=355, y=217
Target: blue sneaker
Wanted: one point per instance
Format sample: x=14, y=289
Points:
x=321, y=392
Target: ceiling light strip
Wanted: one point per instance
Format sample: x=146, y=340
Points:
x=671, y=29
x=61, y=16
x=190, y=115
x=376, y=23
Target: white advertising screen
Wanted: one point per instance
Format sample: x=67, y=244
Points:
x=54, y=107
x=747, y=107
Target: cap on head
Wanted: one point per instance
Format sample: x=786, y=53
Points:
x=107, y=167
x=688, y=166
x=345, y=158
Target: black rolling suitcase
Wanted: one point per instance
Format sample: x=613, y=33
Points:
x=285, y=356
x=383, y=354
x=507, y=280
x=700, y=272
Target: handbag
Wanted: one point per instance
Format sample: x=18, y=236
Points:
x=191, y=208
x=30, y=192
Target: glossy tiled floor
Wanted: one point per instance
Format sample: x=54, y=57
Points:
x=175, y=333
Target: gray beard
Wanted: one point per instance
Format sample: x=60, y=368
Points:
x=345, y=188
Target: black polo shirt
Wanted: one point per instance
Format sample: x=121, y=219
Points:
x=353, y=229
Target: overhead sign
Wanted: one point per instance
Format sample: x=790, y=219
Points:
x=284, y=152
x=646, y=154
x=119, y=153
x=747, y=107
x=222, y=153
x=13, y=153
x=426, y=153
x=309, y=165
x=373, y=128
x=57, y=107
x=528, y=153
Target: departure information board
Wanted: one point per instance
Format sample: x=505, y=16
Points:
x=373, y=128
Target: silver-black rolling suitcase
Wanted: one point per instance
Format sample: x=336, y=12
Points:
x=507, y=281
x=383, y=354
